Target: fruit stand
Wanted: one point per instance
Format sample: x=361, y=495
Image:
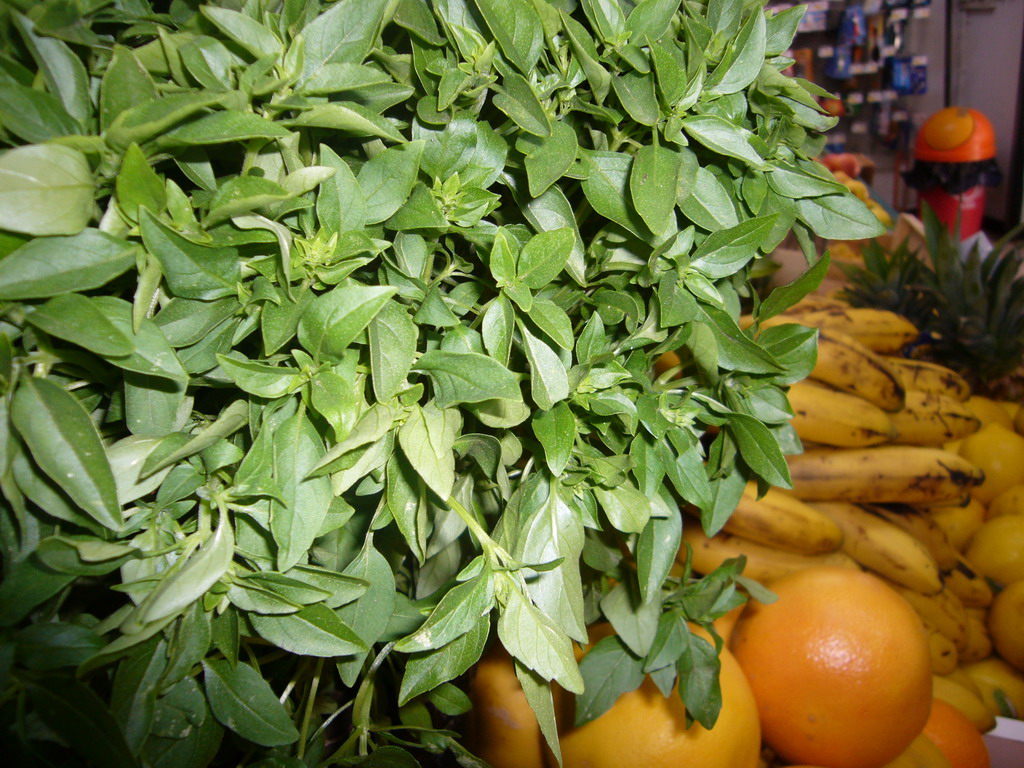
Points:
x=469, y=382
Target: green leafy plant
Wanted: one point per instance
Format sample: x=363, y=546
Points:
x=326, y=349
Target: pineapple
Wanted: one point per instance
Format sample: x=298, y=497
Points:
x=971, y=307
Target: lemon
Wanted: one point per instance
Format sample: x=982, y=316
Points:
x=1005, y=620
x=959, y=521
x=989, y=411
x=999, y=452
x=1009, y=502
x=997, y=549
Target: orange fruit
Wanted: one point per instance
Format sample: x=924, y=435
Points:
x=1009, y=502
x=999, y=452
x=839, y=666
x=644, y=728
x=1005, y=622
x=956, y=736
x=501, y=728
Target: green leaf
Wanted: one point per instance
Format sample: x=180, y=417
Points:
x=34, y=116
x=723, y=137
x=726, y=251
x=544, y=256
x=45, y=189
x=52, y=266
x=191, y=271
x=556, y=430
x=66, y=446
x=388, y=178
x=314, y=631
x=533, y=639
x=426, y=670
x=627, y=509
x=517, y=28
x=185, y=585
x=75, y=712
x=652, y=185
x=334, y=320
x=785, y=296
x=393, y=337
x=138, y=185
x=244, y=702
x=467, y=377
x=74, y=318
x=260, y=379
x=760, y=450
x=517, y=99
x=247, y=32
x=63, y=72
x=548, y=158
x=342, y=34
x=635, y=92
x=709, y=204
x=302, y=503
x=347, y=117
x=456, y=614
x=428, y=439
x=743, y=58
x=839, y=217
x=549, y=380
x=609, y=669
x=607, y=189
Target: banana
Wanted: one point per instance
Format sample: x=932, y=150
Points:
x=882, y=474
x=979, y=641
x=941, y=650
x=922, y=753
x=779, y=520
x=926, y=376
x=764, y=563
x=964, y=699
x=922, y=527
x=928, y=418
x=966, y=583
x=830, y=417
x=944, y=611
x=880, y=330
x=884, y=548
x=849, y=366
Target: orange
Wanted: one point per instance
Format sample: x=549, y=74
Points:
x=501, y=728
x=644, y=728
x=1006, y=624
x=839, y=667
x=956, y=736
x=997, y=549
x=999, y=452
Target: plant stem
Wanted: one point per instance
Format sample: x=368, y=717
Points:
x=310, y=700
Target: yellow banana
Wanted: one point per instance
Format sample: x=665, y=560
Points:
x=941, y=650
x=964, y=699
x=944, y=611
x=764, y=563
x=883, y=548
x=848, y=365
x=880, y=330
x=966, y=583
x=882, y=474
x=779, y=520
x=830, y=417
x=926, y=376
x=979, y=641
x=922, y=527
x=927, y=418
x=922, y=753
